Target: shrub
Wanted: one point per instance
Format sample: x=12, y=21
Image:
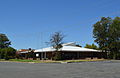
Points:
x=57, y=56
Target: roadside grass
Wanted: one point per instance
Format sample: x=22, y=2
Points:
x=51, y=61
x=85, y=60
x=29, y=61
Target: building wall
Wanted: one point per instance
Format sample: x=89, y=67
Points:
x=68, y=55
x=83, y=55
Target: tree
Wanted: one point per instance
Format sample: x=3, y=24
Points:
x=114, y=39
x=100, y=32
x=93, y=46
x=6, y=52
x=31, y=54
x=4, y=41
x=56, y=42
x=107, y=35
x=2, y=53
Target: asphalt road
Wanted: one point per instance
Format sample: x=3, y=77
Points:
x=105, y=69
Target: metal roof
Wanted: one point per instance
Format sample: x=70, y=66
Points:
x=67, y=47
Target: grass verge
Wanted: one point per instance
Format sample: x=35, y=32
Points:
x=50, y=61
x=84, y=60
x=29, y=61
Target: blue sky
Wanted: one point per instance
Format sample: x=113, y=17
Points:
x=29, y=23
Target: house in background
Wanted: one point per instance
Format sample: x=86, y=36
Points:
x=26, y=53
x=70, y=51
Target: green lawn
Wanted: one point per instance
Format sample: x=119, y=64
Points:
x=49, y=61
x=85, y=60
x=29, y=61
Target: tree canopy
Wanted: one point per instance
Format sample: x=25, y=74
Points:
x=4, y=41
x=107, y=34
x=56, y=41
x=6, y=52
x=93, y=46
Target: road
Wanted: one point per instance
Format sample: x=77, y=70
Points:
x=105, y=69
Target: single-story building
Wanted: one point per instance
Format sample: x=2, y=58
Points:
x=26, y=54
x=70, y=51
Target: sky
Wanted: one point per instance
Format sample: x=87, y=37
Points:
x=30, y=23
